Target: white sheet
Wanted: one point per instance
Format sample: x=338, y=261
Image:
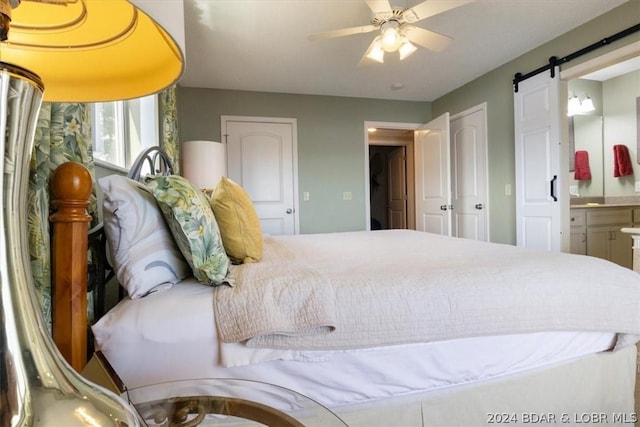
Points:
x=170, y=336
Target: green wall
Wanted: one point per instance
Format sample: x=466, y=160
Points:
x=330, y=129
x=331, y=153
x=496, y=89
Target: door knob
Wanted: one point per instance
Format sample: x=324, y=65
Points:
x=443, y=207
x=289, y=211
x=479, y=206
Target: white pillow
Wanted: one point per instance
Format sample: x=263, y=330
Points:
x=144, y=254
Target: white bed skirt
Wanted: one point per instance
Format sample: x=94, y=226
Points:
x=597, y=389
x=593, y=389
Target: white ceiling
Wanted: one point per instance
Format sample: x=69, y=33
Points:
x=614, y=70
x=262, y=45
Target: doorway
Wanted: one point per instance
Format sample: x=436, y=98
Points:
x=392, y=160
x=384, y=141
x=391, y=179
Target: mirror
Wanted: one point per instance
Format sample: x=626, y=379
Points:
x=613, y=122
x=586, y=132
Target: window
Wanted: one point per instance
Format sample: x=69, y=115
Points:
x=122, y=129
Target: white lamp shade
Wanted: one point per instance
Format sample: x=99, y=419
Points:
x=204, y=163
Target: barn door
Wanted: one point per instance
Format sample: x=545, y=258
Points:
x=540, y=182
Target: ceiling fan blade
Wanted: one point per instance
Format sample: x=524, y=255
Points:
x=343, y=32
x=379, y=7
x=429, y=8
x=427, y=39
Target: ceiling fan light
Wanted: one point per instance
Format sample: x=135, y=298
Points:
x=406, y=49
x=376, y=52
x=391, y=38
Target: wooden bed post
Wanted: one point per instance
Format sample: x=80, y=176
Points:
x=71, y=187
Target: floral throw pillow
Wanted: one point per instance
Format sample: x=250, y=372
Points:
x=193, y=226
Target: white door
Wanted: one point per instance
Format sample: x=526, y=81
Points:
x=397, y=197
x=261, y=158
x=433, y=171
x=469, y=174
x=540, y=181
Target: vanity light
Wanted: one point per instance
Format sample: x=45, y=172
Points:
x=576, y=106
x=587, y=105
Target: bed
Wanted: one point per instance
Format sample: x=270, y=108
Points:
x=387, y=327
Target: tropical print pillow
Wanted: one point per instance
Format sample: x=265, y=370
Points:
x=193, y=226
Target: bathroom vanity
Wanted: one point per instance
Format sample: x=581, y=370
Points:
x=596, y=230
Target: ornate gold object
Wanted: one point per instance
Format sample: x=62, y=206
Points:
x=37, y=386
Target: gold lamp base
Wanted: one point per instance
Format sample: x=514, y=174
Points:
x=37, y=386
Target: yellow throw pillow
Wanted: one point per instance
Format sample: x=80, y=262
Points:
x=238, y=221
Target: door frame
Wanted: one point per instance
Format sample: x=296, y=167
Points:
x=294, y=151
x=367, y=189
x=623, y=53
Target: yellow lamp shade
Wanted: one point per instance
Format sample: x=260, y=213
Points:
x=92, y=50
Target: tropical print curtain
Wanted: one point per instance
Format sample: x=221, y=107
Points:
x=169, y=140
x=63, y=134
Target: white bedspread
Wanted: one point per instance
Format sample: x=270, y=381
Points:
x=364, y=289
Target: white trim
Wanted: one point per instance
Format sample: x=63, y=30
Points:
x=110, y=167
x=367, y=189
x=610, y=58
x=629, y=51
x=482, y=106
x=294, y=127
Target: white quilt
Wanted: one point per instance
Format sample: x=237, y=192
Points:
x=363, y=289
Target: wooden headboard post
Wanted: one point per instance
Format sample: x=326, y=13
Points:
x=71, y=188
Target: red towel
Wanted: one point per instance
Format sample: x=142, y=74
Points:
x=582, y=169
x=621, y=161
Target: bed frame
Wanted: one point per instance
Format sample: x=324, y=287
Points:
x=602, y=382
x=80, y=265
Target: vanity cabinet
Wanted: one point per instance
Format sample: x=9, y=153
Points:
x=578, y=229
x=604, y=238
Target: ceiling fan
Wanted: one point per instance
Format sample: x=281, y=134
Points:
x=396, y=31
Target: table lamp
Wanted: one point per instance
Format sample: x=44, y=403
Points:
x=60, y=51
x=203, y=163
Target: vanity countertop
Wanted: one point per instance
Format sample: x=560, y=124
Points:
x=604, y=205
x=631, y=230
